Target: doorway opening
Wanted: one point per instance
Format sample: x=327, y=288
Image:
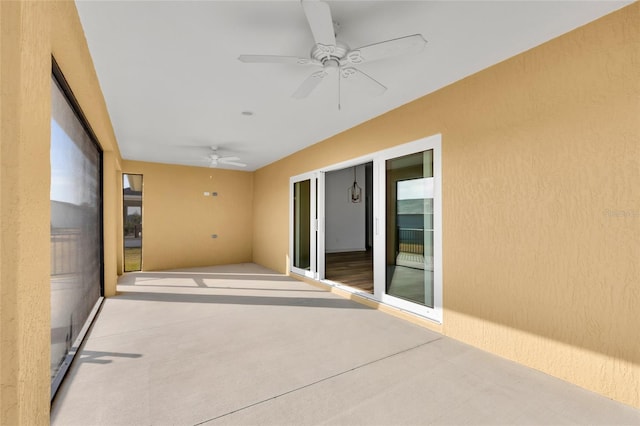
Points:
x=132, y=221
x=349, y=226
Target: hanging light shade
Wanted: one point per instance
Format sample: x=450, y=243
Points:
x=355, y=192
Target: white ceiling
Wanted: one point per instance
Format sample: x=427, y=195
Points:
x=174, y=86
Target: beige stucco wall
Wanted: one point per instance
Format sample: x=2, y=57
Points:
x=178, y=220
x=541, y=203
x=24, y=220
x=30, y=32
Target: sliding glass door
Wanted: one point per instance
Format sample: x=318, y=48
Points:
x=407, y=234
x=303, y=210
x=408, y=271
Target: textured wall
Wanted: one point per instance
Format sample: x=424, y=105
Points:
x=541, y=203
x=30, y=32
x=24, y=215
x=111, y=220
x=178, y=220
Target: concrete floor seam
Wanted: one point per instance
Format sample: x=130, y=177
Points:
x=357, y=367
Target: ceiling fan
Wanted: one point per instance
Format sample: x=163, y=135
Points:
x=215, y=159
x=335, y=57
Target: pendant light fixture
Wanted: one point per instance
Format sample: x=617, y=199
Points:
x=355, y=192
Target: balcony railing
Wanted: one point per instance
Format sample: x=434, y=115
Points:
x=410, y=240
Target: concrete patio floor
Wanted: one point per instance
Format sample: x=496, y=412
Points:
x=241, y=344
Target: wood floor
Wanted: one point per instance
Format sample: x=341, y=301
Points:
x=353, y=268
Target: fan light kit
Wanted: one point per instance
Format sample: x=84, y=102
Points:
x=335, y=57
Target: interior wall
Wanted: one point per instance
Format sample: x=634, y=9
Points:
x=31, y=32
x=345, y=221
x=178, y=220
x=540, y=164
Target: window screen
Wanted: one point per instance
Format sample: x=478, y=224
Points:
x=76, y=227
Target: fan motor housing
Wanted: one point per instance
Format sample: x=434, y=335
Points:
x=322, y=53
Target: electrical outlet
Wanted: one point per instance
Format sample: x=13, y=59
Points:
x=206, y=194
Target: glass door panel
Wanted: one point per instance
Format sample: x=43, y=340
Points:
x=303, y=220
x=409, y=272
x=301, y=225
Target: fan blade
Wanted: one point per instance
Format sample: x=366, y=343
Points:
x=387, y=49
x=275, y=59
x=233, y=163
x=228, y=158
x=318, y=15
x=309, y=84
x=363, y=80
